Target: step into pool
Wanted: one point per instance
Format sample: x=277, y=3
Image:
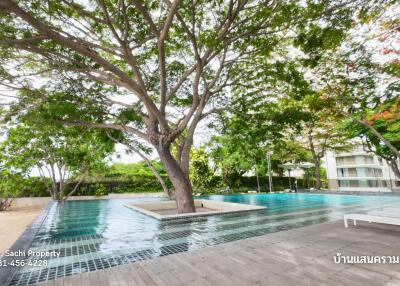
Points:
x=98, y=234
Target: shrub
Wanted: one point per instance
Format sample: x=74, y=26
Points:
x=10, y=186
x=100, y=190
x=279, y=183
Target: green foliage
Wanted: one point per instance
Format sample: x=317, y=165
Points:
x=249, y=183
x=88, y=53
x=133, y=170
x=201, y=175
x=385, y=119
x=312, y=177
x=288, y=151
x=13, y=185
x=10, y=186
x=138, y=185
x=100, y=190
x=59, y=153
x=133, y=177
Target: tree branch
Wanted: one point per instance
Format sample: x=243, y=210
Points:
x=106, y=126
x=379, y=135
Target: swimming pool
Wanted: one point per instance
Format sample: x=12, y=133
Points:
x=98, y=234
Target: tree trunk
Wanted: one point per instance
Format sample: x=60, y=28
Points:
x=317, y=161
x=168, y=192
x=258, y=181
x=380, y=136
x=74, y=189
x=318, y=184
x=395, y=168
x=185, y=156
x=183, y=188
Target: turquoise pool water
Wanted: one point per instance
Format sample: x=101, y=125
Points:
x=98, y=234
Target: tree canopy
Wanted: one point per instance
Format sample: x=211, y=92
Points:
x=155, y=69
x=62, y=154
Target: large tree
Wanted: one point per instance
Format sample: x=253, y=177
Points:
x=362, y=78
x=171, y=63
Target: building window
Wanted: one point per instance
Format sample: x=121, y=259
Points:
x=348, y=160
x=339, y=161
x=352, y=172
x=366, y=159
x=373, y=172
x=348, y=183
x=353, y=160
x=372, y=183
x=369, y=159
x=358, y=183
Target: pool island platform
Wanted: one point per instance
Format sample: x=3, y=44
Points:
x=167, y=210
x=301, y=256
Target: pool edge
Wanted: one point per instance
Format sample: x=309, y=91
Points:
x=22, y=243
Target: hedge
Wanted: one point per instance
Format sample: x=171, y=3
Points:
x=278, y=183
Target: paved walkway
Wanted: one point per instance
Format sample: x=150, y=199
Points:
x=302, y=256
x=13, y=222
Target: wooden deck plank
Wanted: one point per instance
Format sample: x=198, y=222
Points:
x=81, y=280
x=297, y=257
x=112, y=280
x=141, y=275
x=126, y=273
x=59, y=282
x=68, y=281
x=98, y=278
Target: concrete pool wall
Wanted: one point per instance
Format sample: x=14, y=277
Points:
x=43, y=201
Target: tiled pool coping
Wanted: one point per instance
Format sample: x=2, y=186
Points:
x=22, y=243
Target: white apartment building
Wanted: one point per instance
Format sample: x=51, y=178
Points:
x=359, y=171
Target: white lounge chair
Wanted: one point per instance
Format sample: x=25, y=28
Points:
x=370, y=218
x=385, y=213
x=392, y=209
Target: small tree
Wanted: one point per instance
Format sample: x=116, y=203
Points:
x=320, y=131
x=10, y=186
x=63, y=154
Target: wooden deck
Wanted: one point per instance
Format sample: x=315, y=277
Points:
x=297, y=257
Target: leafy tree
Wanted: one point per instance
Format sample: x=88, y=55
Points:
x=237, y=150
x=63, y=154
x=320, y=131
x=174, y=63
x=288, y=151
x=385, y=119
x=201, y=175
x=362, y=78
x=10, y=186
